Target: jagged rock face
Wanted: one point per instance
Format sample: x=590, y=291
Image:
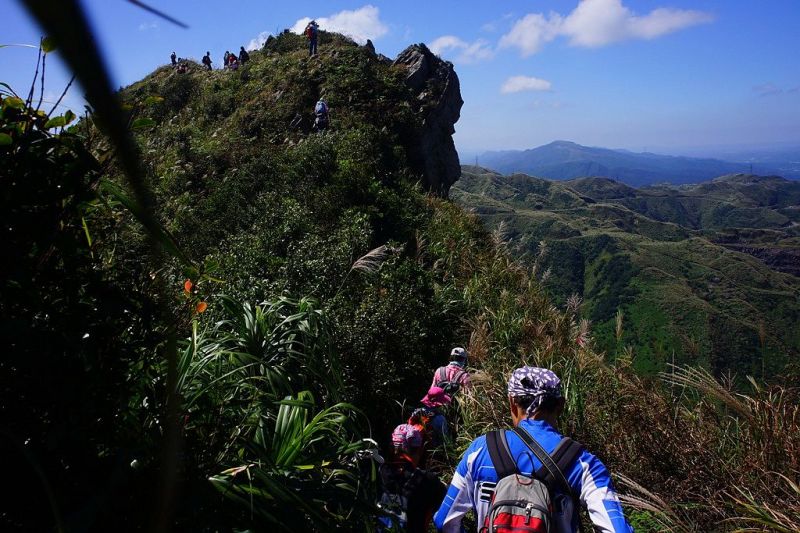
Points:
x=438, y=91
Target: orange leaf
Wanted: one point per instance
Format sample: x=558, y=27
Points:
x=201, y=307
x=187, y=286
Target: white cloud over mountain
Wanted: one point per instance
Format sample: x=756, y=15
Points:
x=516, y=84
x=531, y=32
x=359, y=24
x=596, y=23
x=258, y=41
x=465, y=52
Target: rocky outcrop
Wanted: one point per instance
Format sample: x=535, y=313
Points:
x=438, y=93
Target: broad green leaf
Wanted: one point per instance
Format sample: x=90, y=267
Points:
x=69, y=116
x=141, y=123
x=48, y=45
x=151, y=100
x=55, y=122
x=5, y=139
x=14, y=102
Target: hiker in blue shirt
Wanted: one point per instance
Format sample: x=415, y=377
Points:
x=535, y=402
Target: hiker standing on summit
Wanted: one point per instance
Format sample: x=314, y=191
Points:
x=454, y=376
x=207, y=60
x=311, y=32
x=244, y=57
x=530, y=476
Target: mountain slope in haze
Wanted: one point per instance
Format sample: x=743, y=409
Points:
x=669, y=258
x=563, y=160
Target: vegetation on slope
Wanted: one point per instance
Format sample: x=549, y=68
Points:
x=651, y=255
x=344, y=285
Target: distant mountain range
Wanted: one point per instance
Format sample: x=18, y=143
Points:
x=564, y=160
x=706, y=273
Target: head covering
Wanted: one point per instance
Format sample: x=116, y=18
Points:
x=540, y=383
x=459, y=356
x=406, y=437
x=436, y=397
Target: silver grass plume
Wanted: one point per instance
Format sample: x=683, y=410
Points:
x=372, y=260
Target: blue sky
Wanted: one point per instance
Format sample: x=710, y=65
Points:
x=668, y=76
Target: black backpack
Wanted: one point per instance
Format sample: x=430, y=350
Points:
x=452, y=386
x=399, y=485
x=527, y=503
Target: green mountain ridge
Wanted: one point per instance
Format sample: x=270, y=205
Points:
x=689, y=266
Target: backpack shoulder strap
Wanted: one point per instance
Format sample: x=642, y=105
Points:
x=458, y=376
x=548, y=464
x=500, y=454
x=566, y=453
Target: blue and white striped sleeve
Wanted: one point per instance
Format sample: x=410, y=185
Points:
x=597, y=493
x=459, y=498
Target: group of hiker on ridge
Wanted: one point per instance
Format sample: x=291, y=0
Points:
x=232, y=62
x=526, y=479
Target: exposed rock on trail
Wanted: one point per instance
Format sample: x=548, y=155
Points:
x=437, y=88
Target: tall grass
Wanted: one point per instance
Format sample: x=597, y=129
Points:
x=693, y=452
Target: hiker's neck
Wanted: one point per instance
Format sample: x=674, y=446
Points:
x=518, y=414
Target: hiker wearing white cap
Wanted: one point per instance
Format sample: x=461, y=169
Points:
x=454, y=376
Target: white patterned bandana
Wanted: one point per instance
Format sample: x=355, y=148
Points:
x=540, y=383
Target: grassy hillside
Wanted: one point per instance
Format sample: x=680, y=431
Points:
x=207, y=340
x=655, y=255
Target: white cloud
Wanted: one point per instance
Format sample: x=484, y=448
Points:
x=257, y=42
x=516, y=84
x=478, y=50
x=147, y=26
x=446, y=42
x=600, y=22
x=597, y=23
x=359, y=24
x=531, y=32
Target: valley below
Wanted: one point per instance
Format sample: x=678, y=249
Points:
x=703, y=274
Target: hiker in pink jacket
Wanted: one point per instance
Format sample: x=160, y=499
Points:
x=454, y=376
